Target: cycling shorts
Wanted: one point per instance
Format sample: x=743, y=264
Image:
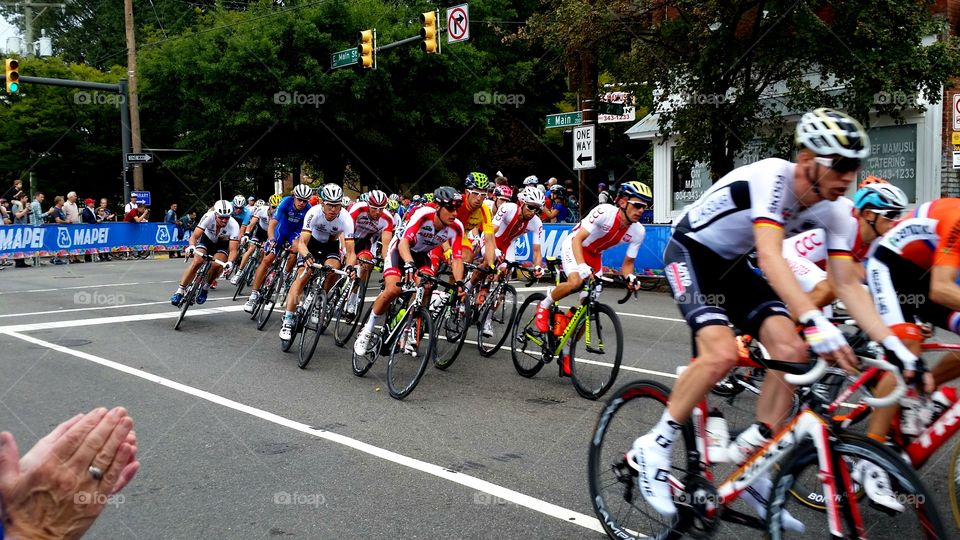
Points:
x=281, y=237
x=322, y=251
x=259, y=234
x=213, y=246
x=570, y=265
x=393, y=266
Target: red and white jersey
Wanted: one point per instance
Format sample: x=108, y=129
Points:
x=508, y=224
x=364, y=226
x=216, y=232
x=603, y=224
x=812, y=245
x=324, y=230
x=424, y=236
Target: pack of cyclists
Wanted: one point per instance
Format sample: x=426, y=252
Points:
x=782, y=230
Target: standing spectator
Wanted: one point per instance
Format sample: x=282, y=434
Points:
x=187, y=224
x=603, y=196
x=132, y=205
x=71, y=209
x=573, y=215
x=104, y=213
x=5, y=217
x=551, y=182
x=171, y=215
x=558, y=212
x=13, y=193
x=138, y=214
x=20, y=213
x=58, y=216
x=36, y=210
x=88, y=216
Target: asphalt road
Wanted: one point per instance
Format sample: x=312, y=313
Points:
x=237, y=442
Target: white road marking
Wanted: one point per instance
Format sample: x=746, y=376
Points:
x=87, y=287
x=114, y=320
x=471, y=482
x=211, y=299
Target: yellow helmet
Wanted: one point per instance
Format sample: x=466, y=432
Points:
x=636, y=189
x=275, y=199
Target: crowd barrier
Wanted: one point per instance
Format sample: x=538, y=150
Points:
x=59, y=240
x=649, y=259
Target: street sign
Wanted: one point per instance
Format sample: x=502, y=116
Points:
x=616, y=107
x=142, y=196
x=458, y=23
x=347, y=57
x=564, y=119
x=584, y=147
x=139, y=158
x=956, y=112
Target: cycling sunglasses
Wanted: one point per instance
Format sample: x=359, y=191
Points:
x=533, y=208
x=888, y=214
x=222, y=218
x=638, y=205
x=451, y=206
x=839, y=165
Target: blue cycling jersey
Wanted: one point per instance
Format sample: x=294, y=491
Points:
x=289, y=220
x=243, y=216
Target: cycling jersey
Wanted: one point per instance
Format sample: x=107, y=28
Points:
x=216, y=233
x=508, y=225
x=364, y=226
x=242, y=217
x=423, y=236
x=605, y=231
x=288, y=219
x=323, y=230
x=263, y=217
x=929, y=237
x=761, y=194
x=473, y=219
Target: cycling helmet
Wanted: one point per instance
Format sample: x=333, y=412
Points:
x=475, y=180
x=882, y=196
x=259, y=203
x=428, y=197
x=223, y=208
x=531, y=180
x=275, y=199
x=416, y=199
x=394, y=197
x=556, y=187
x=601, y=186
x=331, y=193
x=346, y=201
x=377, y=198
x=447, y=195
x=871, y=180
x=505, y=192
x=531, y=195
x=239, y=201
x=636, y=189
x=303, y=191
x=827, y=132
x=393, y=205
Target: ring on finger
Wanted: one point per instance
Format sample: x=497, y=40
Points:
x=95, y=472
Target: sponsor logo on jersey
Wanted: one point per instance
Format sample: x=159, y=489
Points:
x=776, y=198
x=716, y=203
x=910, y=231
x=808, y=242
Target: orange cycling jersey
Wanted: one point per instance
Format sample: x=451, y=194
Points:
x=930, y=236
x=471, y=220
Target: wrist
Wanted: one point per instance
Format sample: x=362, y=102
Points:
x=808, y=317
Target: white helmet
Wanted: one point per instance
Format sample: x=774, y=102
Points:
x=394, y=197
x=531, y=195
x=346, y=201
x=531, y=180
x=223, y=208
x=239, y=201
x=827, y=132
x=303, y=191
x=331, y=193
x=259, y=203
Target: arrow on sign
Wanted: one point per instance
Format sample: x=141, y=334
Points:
x=139, y=158
x=581, y=159
x=459, y=17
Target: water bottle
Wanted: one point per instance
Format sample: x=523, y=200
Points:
x=747, y=442
x=941, y=400
x=436, y=301
x=910, y=406
x=718, y=437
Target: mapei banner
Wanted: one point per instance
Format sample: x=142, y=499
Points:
x=649, y=258
x=47, y=240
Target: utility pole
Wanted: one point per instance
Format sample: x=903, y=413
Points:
x=132, y=90
x=29, y=18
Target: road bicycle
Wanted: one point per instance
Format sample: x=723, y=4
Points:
x=407, y=336
x=498, y=306
x=316, y=310
x=274, y=287
x=808, y=444
x=452, y=316
x=250, y=269
x=345, y=322
x=592, y=325
x=190, y=297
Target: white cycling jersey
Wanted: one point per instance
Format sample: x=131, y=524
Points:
x=603, y=224
x=263, y=216
x=324, y=230
x=228, y=231
x=424, y=236
x=761, y=193
x=508, y=225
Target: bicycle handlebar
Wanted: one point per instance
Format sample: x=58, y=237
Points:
x=820, y=367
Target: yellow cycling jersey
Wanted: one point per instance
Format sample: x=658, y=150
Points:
x=478, y=218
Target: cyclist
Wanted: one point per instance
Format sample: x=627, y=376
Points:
x=371, y=223
x=216, y=233
x=323, y=227
x=284, y=227
x=607, y=226
x=474, y=215
x=491, y=200
x=347, y=202
x=427, y=229
x=393, y=206
x=876, y=205
x=502, y=194
x=913, y=277
x=706, y=267
x=257, y=228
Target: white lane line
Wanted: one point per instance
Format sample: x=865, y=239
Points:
x=471, y=482
x=86, y=287
x=211, y=299
x=114, y=320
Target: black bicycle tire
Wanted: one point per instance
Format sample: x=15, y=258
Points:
x=302, y=362
x=268, y=300
x=184, y=306
x=617, y=357
x=330, y=299
x=358, y=369
x=352, y=325
x=445, y=363
x=523, y=371
x=509, y=289
x=424, y=315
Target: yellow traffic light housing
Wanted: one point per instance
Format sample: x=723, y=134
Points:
x=13, y=75
x=368, y=49
x=430, y=32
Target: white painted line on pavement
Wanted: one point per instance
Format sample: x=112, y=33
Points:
x=114, y=320
x=86, y=287
x=211, y=299
x=471, y=482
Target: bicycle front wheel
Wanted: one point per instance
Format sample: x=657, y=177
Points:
x=849, y=452
x=496, y=321
x=410, y=352
x=185, y=305
x=526, y=343
x=346, y=322
x=452, y=329
x=311, y=333
x=268, y=301
x=596, y=350
x=362, y=363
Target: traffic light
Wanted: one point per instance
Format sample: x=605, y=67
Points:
x=430, y=32
x=13, y=76
x=368, y=49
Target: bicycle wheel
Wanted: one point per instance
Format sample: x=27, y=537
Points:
x=185, y=304
x=362, y=364
x=311, y=332
x=267, y=301
x=410, y=352
x=330, y=300
x=452, y=330
x=242, y=282
x=919, y=519
x=594, y=366
x=632, y=410
x=308, y=297
x=500, y=314
x=346, y=325
x=953, y=483
x=526, y=343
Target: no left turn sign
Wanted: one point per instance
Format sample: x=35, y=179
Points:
x=458, y=23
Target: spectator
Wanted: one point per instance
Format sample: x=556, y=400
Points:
x=71, y=209
x=568, y=188
x=88, y=216
x=551, y=182
x=104, y=213
x=5, y=217
x=132, y=205
x=54, y=490
x=36, y=210
x=13, y=193
x=603, y=196
x=558, y=212
x=20, y=209
x=56, y=212
x=171, y=215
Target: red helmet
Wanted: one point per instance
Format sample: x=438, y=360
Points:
x=505, y=192
x=377, y=198
x=871, y=180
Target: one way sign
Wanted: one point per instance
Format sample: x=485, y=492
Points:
x=584, y=147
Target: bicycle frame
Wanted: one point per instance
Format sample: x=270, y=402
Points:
x=556, y=344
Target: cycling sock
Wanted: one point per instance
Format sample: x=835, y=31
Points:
x=181, y=289
x=372, y=322
x=287, y=315
x=756, y=496
x=548, y=301
x=667, y=430
x=206, y=286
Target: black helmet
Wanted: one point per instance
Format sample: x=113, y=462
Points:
x=446, y=195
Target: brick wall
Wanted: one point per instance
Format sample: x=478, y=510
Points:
x=949, y=178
